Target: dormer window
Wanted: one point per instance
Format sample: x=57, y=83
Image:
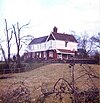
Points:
x=66, y=44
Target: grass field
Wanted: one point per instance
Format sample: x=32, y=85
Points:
x=47, y=75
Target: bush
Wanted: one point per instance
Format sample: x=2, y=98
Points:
x=19, y=94
x=3, y=67
x=97, y=57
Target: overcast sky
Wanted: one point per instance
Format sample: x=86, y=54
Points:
x=77, y=15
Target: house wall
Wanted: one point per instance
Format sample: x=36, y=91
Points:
x=43, y=50
x=41, y=55
x=51, y=54
x=53, y=44
x=70, y=45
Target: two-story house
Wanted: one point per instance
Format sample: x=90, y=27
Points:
x=54, y=46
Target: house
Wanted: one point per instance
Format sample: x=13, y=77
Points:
x=54, y=46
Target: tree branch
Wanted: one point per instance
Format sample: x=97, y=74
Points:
x=15, y=35
x=11, y=36
x=24, y=25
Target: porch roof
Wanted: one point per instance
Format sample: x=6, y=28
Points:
x=64, y=51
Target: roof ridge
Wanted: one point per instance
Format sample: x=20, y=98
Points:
x=62, y=33
x=41, y=37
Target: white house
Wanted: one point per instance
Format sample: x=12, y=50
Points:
x=54, y=46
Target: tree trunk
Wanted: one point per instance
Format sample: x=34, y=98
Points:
x=18, y=59
x=8, y=55
x=3, y=53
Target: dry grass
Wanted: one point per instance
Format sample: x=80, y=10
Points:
x=48, y=75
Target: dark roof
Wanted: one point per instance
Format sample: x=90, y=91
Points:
x=64, y=37
x=58, y=36
x=38, y=40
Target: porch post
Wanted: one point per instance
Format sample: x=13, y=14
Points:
x=61, y=56
x=67, y=56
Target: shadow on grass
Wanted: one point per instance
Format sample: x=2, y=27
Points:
x=5, y=77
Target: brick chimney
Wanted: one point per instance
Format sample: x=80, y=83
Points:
x=55, y=29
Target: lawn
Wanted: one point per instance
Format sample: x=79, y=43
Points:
x=47, y=75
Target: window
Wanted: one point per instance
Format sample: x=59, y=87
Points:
x=50, y=53
x=51, y=43
x=40, y=55
x=29, y=55
x=37, y=46
x=44, y=53
x=33, y=55
x=37, y=54
x=40, y=46
x=66, y=44
x=58, y=55
x=45, y=46
x=29, y=47
x=32, y=47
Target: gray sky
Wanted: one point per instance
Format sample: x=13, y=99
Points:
x=77, y=15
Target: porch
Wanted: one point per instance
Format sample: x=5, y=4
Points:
x=50, y=54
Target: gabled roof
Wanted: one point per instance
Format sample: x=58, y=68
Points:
x=38, y=40
x=64, y=37
x=57, y=36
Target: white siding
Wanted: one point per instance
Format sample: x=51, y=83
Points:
x=53, y=44
x=70, y=45
x=60, y=44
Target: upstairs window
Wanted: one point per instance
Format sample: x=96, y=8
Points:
x=66, y=44
x=45, y=46
x=40, y=46
x=37, y=46
x=32, y=47
x=29, y=47
x=50, y=44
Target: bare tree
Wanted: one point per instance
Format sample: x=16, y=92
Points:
x=8, y=40
x=96, y=40
x=3, y=53
x=85, y=43
x=19, y=40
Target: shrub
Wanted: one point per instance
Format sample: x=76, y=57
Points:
x=19, y=94
x=97, y=57
x=3, y=67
